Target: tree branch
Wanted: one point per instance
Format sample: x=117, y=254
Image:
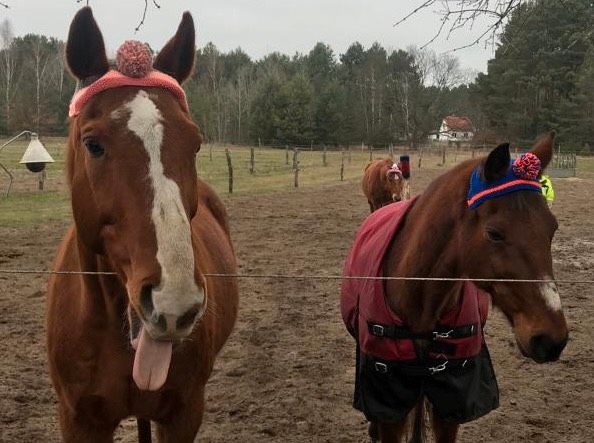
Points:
x=464, y=13
x=158, y=6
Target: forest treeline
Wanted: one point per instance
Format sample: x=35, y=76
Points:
x=541, y=77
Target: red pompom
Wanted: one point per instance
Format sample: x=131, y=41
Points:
x=527, y=166
x=134, y=59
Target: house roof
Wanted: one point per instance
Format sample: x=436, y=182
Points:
x=458, y=123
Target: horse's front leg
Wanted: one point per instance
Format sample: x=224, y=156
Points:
x=182, y=427
x=445, y=432
x=78, y=429
x=386, y=432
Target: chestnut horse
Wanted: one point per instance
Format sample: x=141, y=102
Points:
x=383, y=183
x=142, y=342
x=506, y=237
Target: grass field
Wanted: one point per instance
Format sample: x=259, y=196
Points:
x=28, y=207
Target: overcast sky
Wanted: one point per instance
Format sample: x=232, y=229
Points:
x=257, y=26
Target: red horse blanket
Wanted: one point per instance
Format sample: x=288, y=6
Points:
x=456, y=373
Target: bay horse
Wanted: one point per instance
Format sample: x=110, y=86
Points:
x=501, y=230
x=140, y=343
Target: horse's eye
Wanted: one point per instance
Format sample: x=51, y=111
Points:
x=94, y=147
x=495, y=236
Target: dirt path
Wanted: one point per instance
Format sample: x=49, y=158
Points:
x=286, y=374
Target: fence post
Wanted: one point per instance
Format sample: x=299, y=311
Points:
x=420, y=155
x=342, y=164
x=324, y=161
x=296, y=166
x=443, y=155
x=252, y=160
x=287, y=154
x=230, y=167
x=42, y=176
x=370, y=153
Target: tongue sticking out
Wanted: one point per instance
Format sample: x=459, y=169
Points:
x=151, y=362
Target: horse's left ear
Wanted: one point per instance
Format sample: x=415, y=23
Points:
x=543, y=149
x=177, y=57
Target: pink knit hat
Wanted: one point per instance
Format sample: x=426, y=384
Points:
x=134, y=63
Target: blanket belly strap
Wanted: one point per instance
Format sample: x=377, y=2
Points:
x=441, y=332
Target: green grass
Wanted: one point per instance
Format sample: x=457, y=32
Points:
x=585, y=164
x=27, y=207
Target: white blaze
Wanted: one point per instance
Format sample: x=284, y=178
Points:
x=550, y=293
x=177, y=291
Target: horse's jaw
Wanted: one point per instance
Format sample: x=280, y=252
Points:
x=151, y=358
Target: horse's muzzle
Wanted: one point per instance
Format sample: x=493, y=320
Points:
x=167, y=326
x=544, y=349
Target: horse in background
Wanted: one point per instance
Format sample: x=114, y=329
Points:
x=384, y=183
x=141, y=343
x=420, y=340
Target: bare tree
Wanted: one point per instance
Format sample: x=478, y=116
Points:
x=8, y=66
x=460, y=14
x=40, y=62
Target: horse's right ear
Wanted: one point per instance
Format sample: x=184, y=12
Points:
x=497, y=163
x=85, y=50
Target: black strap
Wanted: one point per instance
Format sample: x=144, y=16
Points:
x=440, y=332
x=417, y=370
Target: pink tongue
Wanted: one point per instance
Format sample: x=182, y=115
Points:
x=151, y=362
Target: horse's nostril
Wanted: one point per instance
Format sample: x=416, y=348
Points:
x=187, y=319
x=146, y=301
x=162, y=323
x=543, y=348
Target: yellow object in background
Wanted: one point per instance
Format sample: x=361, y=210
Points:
x=547, y=188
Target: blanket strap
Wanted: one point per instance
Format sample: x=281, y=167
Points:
x=440, y=332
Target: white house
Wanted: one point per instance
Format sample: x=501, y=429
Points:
x=455, y=129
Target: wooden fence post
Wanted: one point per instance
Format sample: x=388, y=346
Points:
x=370, y=153
x=443, y=155
x=420, y=155
x=230, y=167
x=324, y=160
x=287, y=154
x=42, y=176
x=252, y=160
x=342, y=164
x=296, y=166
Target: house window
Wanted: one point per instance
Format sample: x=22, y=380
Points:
x=454, y=135
x=466, y=135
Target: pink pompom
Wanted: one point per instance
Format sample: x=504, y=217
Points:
x=134, y=59
x=527, y=166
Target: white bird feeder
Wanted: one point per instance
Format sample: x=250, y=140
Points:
x=34, y=158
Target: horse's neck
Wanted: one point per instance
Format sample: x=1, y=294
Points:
x=103, y=296
x=424, y=247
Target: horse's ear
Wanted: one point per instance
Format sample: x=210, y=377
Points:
x=543, y=149
x=497, y=163
x=177, y=57
x=85, y=50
